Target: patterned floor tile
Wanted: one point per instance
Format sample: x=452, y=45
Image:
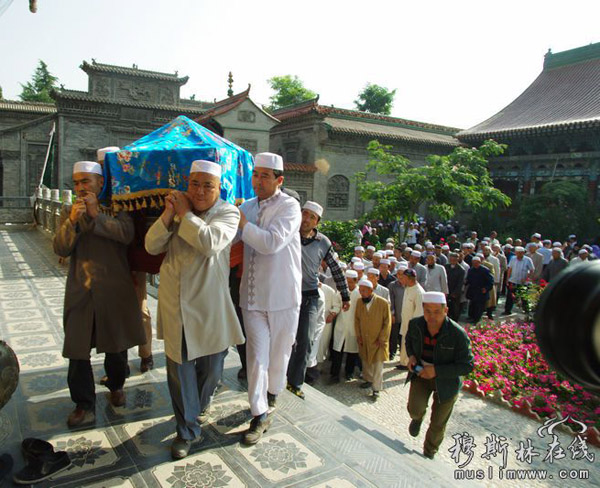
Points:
x=151, y=437
x=15, y=295
x=10, y=287
x=335, y=482
x=34, y=341
x=23, y=314
x=140, y=399
x=112, y=483
x=46, y=416
x=43, y=383
x=200, y=470
x=230, y=417
x=18, y=304
x=280, y=456
x=41, y=360
x=29, y=326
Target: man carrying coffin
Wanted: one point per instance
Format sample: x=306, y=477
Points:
x=196, y=317
x=101, y=308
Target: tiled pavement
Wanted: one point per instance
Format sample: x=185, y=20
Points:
x=314, y=443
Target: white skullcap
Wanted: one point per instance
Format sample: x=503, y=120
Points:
x=202, y=166
x=430, y=246
x=508, y=246
x=556, y=244
x=557, y=249
x=385, y=261
x=359, y=248
x=583, y=251
x=389, y=252
x=343, y=265
x=393, y=259
x=351, y=274
x=572, y=236
x=365, y=282
x=445, y=247
x=476, y=258
x=480, y=255
x=87, y=167
x=418, y=246
x=370, y=248
x=434, y=297
x=358, y=266
x=378, y=255
x=268, y=160
x=313, y=207
x=373, y=271
x=389, y=239
x=402, y=265
x=532, y=244
x=356, y=259
x=408, y=249
x=415, y=254
x=100, y=153
x=547, y=241
x=537, y=235
x=519, y=249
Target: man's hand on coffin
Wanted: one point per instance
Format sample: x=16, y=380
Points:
x=181, y=203
x=91, y=204
x=169, y=211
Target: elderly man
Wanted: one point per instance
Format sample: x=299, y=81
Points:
x=396, y=297
x=436, y=275
x=271, y=287
x=555, y=266
x=386, y=278
x=373, y=277
x=538, y=260
x=196, y=317
x=520, y=269
x=456, y=281
x=412, y=306
x=480, y=282
x=372, y=324
x=414, y=263
x=101, y=308
x=582, y=257
x=316, y=247
x=503, y=264
x=439, y=355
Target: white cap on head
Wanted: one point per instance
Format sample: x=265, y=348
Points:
x=479, y=255
x=519, y=249
x=389, y=252
x=583, y=251
x=268, y=160
x=356, y=259
x=415, y=254
x=418, y=246
x=385, y=261
x=365, y=282
x=359, y=248
x=313, y=207
x=343, y=265
x=532, y=244
x=557, y=244
x=445, y=247
x=370, y=248
x=402, y=265
x=100, y=153
x=203, y=166
x=508, y=246
x=476, y=258
x=537, y=235
x=572, y=236
x=557, y=249
x=358, y=266
x=351, y=274
x=434, y=297
x=378, y=255
x=547, y=241
x=87, y=167
x=373, y=271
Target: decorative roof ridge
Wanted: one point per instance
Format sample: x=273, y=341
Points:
x=134, y=71
x=28, y=103
x=234, y=98
x=311, y=103
x=593, y=121
x=571, y=56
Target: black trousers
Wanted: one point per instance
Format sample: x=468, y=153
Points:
x=305, y=338
x=511, y=292
x=454, y=308
x=336, y=363
x=476, y=309
x=80, y=378
x=394, y=339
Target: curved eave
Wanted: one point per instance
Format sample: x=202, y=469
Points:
x=378, y=135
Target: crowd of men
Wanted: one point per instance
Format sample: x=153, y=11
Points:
x=262, y=274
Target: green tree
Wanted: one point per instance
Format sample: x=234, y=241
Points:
x=375, y=99
x=38, y=89
x=288, y=90
x=1, y=97
x=445, y=184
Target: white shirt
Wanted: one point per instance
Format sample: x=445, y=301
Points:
x=519, y=268
x=344, y=334
x=412, y=304
x=272, y=275
x=437, y=280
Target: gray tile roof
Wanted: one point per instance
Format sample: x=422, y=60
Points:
x=122, y=70
x=29, y=107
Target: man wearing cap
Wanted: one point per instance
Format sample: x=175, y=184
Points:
x=372, y=324
x=412, y=306
x=480, y=281
x=570, y=247
x=439, y=355
x=555, y=266
x=456, y=281
x=396, y=297
x=546, y=251
x=196, y=316
x=101, y=309
x=368, y=259
x=271, y=287
x=373, y=277
x=316, y=247
x=582, y=256
x=420, y=270
x=520, y=269
x=385, y=277
x=359, y=252
x=537, y=258
x=436, y=275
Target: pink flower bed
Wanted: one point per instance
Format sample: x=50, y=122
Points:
x=507, y=359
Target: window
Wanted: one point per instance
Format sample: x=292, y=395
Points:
x=338, y=187
x=246, y=116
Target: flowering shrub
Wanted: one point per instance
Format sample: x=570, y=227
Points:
x=531, y=294
x=507, y=358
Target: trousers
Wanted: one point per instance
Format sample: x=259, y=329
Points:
x=373, y=373
x=305, y=336
x=270, y=337
x=144, y=350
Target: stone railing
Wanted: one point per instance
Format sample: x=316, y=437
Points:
x=47, y=205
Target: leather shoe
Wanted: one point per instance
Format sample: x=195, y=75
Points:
x=180, y=448
x=375, y=396
x=428, y=455
x=146, y=364
x=415, y=427
x=365, y=385
x=257, y=429
x=80, y=416
x=42, y=468
x=117, y=398
x=272, y=400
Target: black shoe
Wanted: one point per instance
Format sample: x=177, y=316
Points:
x=365, y=385
x=375, y=395
x=401, y=367
x=428, y=455
x=180, y=448
x=348, y=377
x=6, y=466
x=203, y=417
x=296, y=391
x=415, y=427
x=242, y=374
x=271, y=400
x=257, y=429
x=42, y=468
x=34, y=448
x=334, y=380
x=146, y=364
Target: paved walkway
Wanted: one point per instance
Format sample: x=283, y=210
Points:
x=336, y=438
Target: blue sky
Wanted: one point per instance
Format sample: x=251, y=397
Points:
x=452, y=62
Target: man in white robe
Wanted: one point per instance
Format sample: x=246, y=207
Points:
x=270, y=291
x=412, y=307
x=196, y=317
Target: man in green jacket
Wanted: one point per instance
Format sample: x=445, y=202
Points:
x=439, y=353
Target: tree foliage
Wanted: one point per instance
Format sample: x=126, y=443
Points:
x=445, y=184
x=375, y=99
x=340, y=234
x=38, y=89
x=288, y=90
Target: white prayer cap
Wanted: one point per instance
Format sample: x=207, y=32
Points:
x=100, y=153
x=402, y=265
x=445, y=247
x=479, y=255
x=476, y=258
x=389, y=252
x=268, y=160
x=365, y=282
x=389, y=239
x=508, y=246
x=519, y=249
x=393, y=259
x=430, y=246
x=471, y=245
x=532, y=244
x=373, y=271
x=557, y=244
x=418, y=246
x=385, y=261
x=358, y=266
x=572, y=236
x=434, y=297
x=343, y=265
x=359, y=248
x=547, y=241
x=87, y=167
x=313, y=207
x=356, y=259
x=370, y=248
x=203, y=166
x=537, y=235
x=408, y=249
x=557, y=249
x=351, y=274
x=583, y=251
x=415, y=254
x=378, y=255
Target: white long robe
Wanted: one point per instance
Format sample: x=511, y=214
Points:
x=344, y=335
x=412, y=307
x=332, y=303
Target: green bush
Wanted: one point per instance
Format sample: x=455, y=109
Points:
x=340, y=234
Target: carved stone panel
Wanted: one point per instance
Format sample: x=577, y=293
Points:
x=247, y=116
x=338, y=188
